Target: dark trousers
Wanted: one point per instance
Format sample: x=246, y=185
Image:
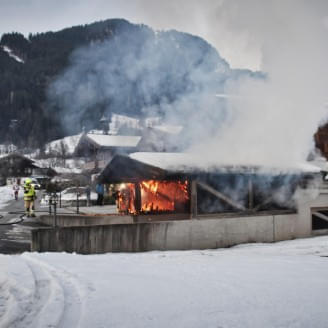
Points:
x=100, y=199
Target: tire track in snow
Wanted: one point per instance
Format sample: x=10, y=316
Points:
x=48, y=299
x=8, y=305
x=16, y=297
x=64, y=306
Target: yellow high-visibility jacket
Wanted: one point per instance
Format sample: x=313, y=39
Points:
x=29, y=192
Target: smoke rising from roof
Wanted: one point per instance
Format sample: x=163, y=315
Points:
x=141, y=72
x=273, y=120
x=269, y=120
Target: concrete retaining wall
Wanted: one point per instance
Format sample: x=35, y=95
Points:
x=84, y=220
x=87, y=235
x=170, y=235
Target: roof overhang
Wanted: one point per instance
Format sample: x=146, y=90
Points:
x=113, y=141
x=125, y=169
x=190, y=163
x=156, y=166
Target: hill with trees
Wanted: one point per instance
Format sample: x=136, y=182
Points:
x=57, y=83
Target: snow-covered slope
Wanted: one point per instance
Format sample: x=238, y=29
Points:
x=62, y=166
x=65, y=145
x=12, y=55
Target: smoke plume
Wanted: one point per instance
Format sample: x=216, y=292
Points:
x=272, y=121
x=267, y=119
x=142, y=73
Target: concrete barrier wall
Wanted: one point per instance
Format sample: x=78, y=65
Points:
x=170, y=235
x=84, y=220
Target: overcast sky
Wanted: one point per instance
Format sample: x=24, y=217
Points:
x=227, y=24
x=194, y=16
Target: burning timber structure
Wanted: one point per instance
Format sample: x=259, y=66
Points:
x=166, y=203
x=190, y=191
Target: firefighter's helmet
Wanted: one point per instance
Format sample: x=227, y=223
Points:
x=28, y=181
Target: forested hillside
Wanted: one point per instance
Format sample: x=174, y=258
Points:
x=53, y=84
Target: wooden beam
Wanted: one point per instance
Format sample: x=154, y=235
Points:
x=137, y=200
x=265, y=202
x=193, y=199
x=320, y=216
x=221, y=196
x=250, y=194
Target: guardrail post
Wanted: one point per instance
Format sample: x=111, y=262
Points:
x=77, y=203
x=50, y=203
x=55, y=214
x=54, y=199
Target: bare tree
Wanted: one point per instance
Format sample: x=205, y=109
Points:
x=63, y=150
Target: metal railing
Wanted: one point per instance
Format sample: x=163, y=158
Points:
x=54, y=199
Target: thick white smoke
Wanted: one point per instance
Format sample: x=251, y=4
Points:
x=273, y=121
x=139, y=72
x=267, y=121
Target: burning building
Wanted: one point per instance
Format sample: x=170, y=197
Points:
x=170, y=202
x=172, y=186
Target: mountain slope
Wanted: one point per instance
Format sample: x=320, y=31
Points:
x=68, y=79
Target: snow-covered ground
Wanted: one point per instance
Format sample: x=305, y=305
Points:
x=7, y=194
x=257, y=285
x=262, y=285
x=69, y=195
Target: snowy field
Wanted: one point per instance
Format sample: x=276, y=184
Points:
x=262, y=285
x=256, y=285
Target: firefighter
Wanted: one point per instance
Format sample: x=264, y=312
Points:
x=29, y=197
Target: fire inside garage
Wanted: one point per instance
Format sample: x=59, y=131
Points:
x=155, y=197
x=187, y=191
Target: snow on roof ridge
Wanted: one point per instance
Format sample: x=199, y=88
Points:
x=107, y=140
x=180, y=161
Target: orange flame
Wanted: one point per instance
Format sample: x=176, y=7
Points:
x=156, y=196
x=126, y=199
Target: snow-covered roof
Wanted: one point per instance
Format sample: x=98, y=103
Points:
x=190, y=161
x=106, y=140
x=164, y=161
